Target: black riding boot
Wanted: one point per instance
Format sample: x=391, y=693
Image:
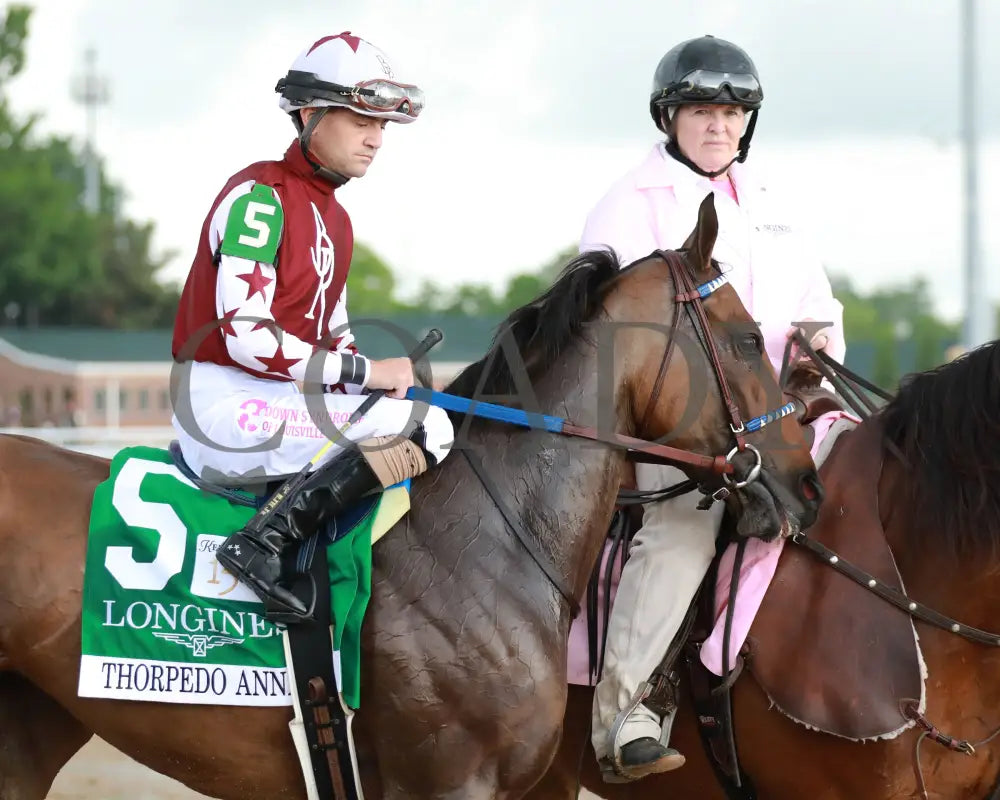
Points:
x=264, y=560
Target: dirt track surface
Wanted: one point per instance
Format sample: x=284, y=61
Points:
x=99, y=772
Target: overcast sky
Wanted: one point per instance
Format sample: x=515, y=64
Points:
x=534, y=108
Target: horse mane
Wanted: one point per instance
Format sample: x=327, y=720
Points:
x=543, y=328
x=946, y=422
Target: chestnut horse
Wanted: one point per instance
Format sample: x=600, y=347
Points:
x=938, y=510
x=464, y=665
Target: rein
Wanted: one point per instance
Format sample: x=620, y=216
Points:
x=842, y=377
x=892, y=595
x=689, y=297
x=544, y=422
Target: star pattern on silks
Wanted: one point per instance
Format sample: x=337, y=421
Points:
x=256, y=281
x=226, y=323
x=278, y=363
x=352, y=41
x=267, y=324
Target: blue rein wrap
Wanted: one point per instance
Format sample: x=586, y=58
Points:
x=477, y=408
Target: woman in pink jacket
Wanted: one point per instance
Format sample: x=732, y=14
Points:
x=706, y=99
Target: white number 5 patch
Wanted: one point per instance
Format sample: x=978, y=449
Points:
x=253, y=230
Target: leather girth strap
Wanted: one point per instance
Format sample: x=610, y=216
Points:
x=310, y=656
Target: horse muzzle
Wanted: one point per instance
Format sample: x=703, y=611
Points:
x=768, y=508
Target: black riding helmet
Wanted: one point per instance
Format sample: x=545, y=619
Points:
x=706, y=70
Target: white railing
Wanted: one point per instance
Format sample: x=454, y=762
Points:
x=100, y=441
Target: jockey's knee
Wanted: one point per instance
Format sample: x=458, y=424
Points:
x=421, y=444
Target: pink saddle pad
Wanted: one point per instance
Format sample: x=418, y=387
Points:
x=760, y=560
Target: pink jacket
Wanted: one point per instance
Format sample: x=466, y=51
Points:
x=777, y=276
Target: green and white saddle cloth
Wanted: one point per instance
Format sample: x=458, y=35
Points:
x=164, y=622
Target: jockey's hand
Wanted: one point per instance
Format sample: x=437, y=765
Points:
x=395, y=375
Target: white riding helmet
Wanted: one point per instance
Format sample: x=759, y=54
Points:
x=345, y=70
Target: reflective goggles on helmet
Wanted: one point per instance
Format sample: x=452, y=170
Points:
x=383, y=95
x=706, y=85
x=378, y=96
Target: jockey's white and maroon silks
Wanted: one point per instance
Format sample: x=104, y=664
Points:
x=232, y=307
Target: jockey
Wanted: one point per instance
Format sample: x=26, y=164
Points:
x=264, y=309
x=706, y=98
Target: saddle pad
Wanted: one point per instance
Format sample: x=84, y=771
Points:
x=578, y=650
x=162, y=621
x=760, y=560
x=827, y=652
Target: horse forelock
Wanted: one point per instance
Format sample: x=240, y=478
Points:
x=946, y=422
x=542, y=329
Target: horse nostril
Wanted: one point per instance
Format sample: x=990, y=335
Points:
x=811, y=488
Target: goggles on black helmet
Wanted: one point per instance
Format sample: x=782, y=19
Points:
x=703, y=85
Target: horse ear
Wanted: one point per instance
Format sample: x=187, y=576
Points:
x=701, y=242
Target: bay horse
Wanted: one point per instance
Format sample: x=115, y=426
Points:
x=464, y=643
x=922, y=475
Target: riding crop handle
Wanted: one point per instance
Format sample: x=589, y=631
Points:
x=293, y=484
x=433, y=337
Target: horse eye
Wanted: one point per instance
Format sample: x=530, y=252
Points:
x=751, y=344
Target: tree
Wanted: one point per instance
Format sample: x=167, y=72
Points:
x=60, y=264
x=371, y=284
x=479, y=300
x=126, y=297
x=895, y=329
x=12, y=38
x=526, y=286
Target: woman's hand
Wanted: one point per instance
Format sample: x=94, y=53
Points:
x=820, y=338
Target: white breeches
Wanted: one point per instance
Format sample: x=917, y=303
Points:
x=668, y=560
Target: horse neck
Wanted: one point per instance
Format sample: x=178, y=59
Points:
x=562, y=488
x=958, y=586
x=966, y=589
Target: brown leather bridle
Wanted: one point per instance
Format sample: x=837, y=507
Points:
x=688, y=297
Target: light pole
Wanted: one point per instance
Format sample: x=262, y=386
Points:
x=91, y=90
x=978, y=327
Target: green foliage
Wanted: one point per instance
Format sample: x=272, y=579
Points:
x=898, y=324
x=60, y=264
x=12, y=38
x=371, y=285
x=371, y=288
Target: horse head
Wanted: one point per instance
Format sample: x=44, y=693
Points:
x=699, y=379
